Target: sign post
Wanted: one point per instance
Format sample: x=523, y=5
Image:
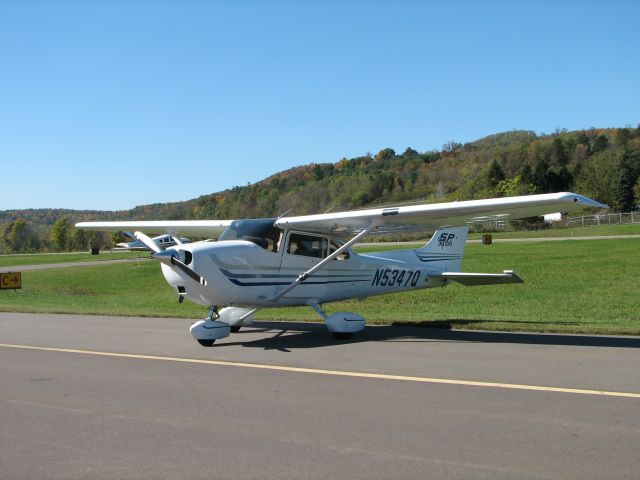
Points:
x=10, y=280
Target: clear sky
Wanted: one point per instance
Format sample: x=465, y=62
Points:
x=113, y=104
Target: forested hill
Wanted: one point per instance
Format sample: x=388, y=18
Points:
x=601, y=163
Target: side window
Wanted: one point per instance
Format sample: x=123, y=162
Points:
x=333, y=246
x=307, y=245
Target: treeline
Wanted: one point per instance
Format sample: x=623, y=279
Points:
x=20, y=236
x=603, y=164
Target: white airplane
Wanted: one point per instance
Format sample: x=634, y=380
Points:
x=163, y=241
x=307, y=260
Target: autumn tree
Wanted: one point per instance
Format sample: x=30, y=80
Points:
x=385, y=154
x=60, y=234
x=18, y=237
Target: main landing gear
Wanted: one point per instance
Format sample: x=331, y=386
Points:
x=220, y=324
x=342, y=325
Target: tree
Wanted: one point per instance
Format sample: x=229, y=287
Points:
x=625, y=195
x=601, y=143
x=60, y=234
x=385, y=154
x=598, y=177
x=558, y=153
x=17, y=237
x=510, y=187
x=410, y=152
x=540, y=177
x=527, y=174
x=78, y=240
x=495, y=174
x=449, y=149
x=623, y=136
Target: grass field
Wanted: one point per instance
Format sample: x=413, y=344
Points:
x=579, y=287
x=597, y=231
x=43, y=258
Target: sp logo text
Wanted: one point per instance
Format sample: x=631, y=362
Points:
x=446, y=239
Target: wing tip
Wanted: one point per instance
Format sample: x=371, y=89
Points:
x=582, y=200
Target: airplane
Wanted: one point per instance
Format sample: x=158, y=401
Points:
x=163, y=241
x=308, y=260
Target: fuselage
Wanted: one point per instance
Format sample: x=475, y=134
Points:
x=244, y=273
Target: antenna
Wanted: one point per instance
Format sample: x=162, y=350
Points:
x=330, y=208
x=284, y=214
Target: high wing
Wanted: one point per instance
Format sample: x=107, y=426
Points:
x=196, y=228
x=438, y=215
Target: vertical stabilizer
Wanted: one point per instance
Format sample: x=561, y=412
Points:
x=445, y=249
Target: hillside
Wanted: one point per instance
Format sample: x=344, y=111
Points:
x=601, y=163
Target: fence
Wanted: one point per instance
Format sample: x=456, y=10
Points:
x=603, y=219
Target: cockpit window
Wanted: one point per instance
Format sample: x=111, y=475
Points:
x=307, y=245
x=261, y=232
x=333, y=246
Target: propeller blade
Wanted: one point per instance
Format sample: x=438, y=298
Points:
x=190, y=272
x=148, y=242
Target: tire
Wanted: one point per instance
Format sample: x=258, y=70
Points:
x=206, y=342
x=235, y=328
x=342, y=335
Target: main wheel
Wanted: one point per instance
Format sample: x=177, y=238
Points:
x=235, y=328
x=206, y=342
x=342, y=335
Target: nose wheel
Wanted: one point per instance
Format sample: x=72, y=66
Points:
x=207, y=331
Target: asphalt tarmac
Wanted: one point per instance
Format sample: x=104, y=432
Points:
x=115, y=397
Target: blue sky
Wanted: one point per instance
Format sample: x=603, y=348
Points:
x=113, y=104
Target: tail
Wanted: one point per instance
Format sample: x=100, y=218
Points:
x=445, y=249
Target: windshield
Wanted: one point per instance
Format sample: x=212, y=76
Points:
x=261, y=232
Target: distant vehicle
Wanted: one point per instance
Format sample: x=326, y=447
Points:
x=553, y=217
x=307, y=260
x=162, y=241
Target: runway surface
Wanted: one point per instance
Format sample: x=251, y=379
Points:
x=117, y=397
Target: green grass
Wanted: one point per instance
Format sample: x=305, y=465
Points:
x=603, y=230
x=44, y=258
x=573, y=287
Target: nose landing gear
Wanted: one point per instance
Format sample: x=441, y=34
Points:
x=207, y=331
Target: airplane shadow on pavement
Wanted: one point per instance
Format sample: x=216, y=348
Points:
x=296, y=335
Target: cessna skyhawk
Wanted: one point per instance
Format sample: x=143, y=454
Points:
x=163, y=241
x=308, y=260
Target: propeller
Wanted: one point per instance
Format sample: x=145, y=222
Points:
x=153, y=246
x=170, y=257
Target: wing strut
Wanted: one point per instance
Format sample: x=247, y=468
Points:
x=304, y=275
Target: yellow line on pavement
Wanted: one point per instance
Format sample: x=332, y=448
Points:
x=338, y=373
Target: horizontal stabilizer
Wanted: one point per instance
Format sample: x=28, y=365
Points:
x=473, y=279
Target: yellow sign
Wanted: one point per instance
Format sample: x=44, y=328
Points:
x=10, y=280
